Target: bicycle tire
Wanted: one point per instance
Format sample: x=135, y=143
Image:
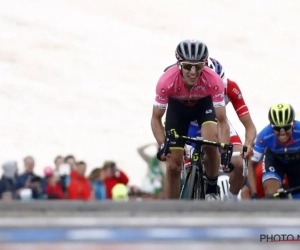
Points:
x=199, y=189
x=184, y=189
x=191, y=183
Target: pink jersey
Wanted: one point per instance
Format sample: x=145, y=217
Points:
x=171, y=85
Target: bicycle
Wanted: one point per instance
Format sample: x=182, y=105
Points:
x=282, y=193
x=194, y=184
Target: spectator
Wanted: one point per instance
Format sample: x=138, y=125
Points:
x=70, y=159
x=119, y=192
x=64, y=166
x=24, y=180
x=53, y=186
x=58, y=161
x=36, y=187
x=97, y=178
x=8, y=184
x=154, y=180
x=79, y=186
x=113, y=177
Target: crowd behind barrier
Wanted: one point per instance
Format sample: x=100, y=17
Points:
x=68, y=180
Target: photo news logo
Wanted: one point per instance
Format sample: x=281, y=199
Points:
x=279, y=238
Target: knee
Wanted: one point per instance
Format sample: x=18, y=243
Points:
x=271, y=186
x=174, y=166
x=245, y=193
x=238, y=165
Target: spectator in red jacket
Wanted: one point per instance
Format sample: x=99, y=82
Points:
x=53, y=187
x=113, y=177
x=79, y=187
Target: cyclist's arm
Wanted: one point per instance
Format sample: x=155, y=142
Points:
x=249, y=128
x=252, y=175
x=157, y=126
x=258, y=151
x=223, y=126
x=236, y=97
x=219, y=104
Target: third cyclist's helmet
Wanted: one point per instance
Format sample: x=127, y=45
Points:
x=281, y=114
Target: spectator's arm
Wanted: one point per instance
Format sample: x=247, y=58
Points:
x=123, y=178
x=141, y=151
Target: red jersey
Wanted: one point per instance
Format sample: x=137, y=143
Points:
x=234, y=95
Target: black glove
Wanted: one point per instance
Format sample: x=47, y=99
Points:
x=162, y=151
x=254, y=196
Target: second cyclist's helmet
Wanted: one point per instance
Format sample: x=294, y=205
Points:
x=191, y=50
x=216, y=66
x=281, y=114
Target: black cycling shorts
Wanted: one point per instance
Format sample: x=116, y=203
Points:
x=274, y=168
x=179, y=116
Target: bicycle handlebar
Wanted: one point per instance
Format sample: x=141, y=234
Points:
x=172, y=134
x=282, y=193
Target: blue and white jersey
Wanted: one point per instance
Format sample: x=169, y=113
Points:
x=286, y=153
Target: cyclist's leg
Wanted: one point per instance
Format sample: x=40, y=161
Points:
x=175, y=119
x=207, y=120
x=273, y=173
x=292, y=172
x=246, y=192
x=236, y=176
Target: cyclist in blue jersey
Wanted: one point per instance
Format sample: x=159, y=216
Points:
x=278, y=146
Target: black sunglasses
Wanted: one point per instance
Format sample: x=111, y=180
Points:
x=282, y=128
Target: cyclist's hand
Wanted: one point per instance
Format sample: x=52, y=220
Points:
x=249, y=152
x=228, y=169
x=160, y=156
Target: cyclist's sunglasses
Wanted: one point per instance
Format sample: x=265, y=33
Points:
x=282, y=128
x=190, y=66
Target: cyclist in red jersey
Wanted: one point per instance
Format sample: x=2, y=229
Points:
x=191, y=92
x=234, y=95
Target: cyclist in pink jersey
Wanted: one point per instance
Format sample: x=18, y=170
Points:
x=191, y=92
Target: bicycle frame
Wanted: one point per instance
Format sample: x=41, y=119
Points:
x=195, y=174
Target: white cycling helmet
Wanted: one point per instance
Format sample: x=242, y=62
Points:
x=223, y=183
x=216, y=66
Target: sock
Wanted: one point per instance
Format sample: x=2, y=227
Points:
x=212, y=183
x=232, y=196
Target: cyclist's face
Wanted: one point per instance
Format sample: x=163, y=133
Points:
x=283, y=135
x=191, y=71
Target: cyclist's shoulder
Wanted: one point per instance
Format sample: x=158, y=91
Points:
x=232, y=85
x=212, y=79
x=266, y=133
x=169, y=76
x=233, y=91
x=175, y=64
